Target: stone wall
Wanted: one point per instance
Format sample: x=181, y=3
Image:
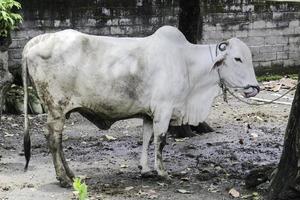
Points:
x=99, y=17
x=271, y=29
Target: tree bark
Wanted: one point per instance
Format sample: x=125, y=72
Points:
x=190, y=24
x=5, y=42
x=286, y=182
x=189, y=19
x=5, y=76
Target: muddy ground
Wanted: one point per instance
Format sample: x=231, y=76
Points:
x=204, y=167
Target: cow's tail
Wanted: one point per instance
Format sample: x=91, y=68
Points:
x=27, y=142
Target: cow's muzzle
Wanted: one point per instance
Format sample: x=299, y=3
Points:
x=251, y=91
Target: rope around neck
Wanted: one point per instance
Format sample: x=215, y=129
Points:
x=225, y=89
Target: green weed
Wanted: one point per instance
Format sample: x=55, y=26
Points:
x=81, y=190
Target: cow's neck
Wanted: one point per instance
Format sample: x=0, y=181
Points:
x=203, y=83
x=200, y=64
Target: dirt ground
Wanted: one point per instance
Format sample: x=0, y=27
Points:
x=203, y=167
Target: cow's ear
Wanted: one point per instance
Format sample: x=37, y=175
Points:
x=222, y=48
x=219, y=60
x=223, y=45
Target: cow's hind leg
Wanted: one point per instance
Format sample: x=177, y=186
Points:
x=147, y=134
x=54, y=137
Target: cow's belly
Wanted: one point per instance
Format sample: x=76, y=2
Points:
x=102, y=118
x=104, y=101
x=113, y=97
x=113, y=107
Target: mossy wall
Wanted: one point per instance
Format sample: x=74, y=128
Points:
x=271, y=29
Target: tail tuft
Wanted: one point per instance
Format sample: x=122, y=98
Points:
x=27, y=142
x=27, y=150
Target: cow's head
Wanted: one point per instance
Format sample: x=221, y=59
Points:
x=235, y=68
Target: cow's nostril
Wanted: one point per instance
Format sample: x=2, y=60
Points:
x=257, y=87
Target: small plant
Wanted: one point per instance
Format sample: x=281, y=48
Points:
x=80, y=189
x=8, y=18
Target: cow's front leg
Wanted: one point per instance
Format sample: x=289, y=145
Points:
x=54, y=137
x=147, y=134
x=160, y=127
x=159, y=143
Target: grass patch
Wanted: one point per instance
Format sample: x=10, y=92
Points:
x=275, y=77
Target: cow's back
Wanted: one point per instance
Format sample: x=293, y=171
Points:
x=115, y=77
x=103, y=74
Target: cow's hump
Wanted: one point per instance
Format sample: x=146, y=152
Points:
x=171, y=34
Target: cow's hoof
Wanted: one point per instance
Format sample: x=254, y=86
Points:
x=149, y=174
x=163, y=175
x=65, y=183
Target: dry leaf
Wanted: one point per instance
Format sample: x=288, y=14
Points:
x=128, y=188
x=185, y=179
x=83, y=177
x=109, y=138
x=255, y=194
x=8, y=135
x=180, y=139
x=183, y=191
x=287, y=83
x=276, y=87
x=212, y=188
x=254, y=135
x=124, y=166
x=259, y=118
x=150, y=194
x=161, y=184
x=246, y=196
x=234, y=193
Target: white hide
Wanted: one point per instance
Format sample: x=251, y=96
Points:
x=162, y=78
x=120, y=78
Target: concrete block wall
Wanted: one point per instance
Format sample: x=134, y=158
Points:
x=118, y=18
x=270, y=29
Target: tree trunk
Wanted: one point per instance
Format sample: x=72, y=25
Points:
x=5, y=42
x=189, y=24
x=189, y=19
x=5, y=76
x=286, y=182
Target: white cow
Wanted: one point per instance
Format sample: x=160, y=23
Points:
x=161, y=78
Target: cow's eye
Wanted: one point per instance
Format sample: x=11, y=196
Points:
x=238, y=60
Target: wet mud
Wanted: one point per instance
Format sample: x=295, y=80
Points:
x=204, y=167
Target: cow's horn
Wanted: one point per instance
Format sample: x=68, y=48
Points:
x=222, y=46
